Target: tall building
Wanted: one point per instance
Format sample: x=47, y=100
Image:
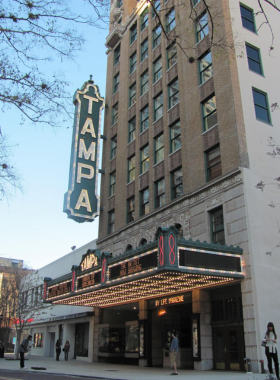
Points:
x=184, y=227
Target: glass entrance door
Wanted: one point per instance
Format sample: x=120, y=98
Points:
x=228, y=346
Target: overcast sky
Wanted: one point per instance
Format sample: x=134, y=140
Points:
x=33, y=226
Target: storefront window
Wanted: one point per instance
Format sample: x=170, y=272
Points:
x=132, y=337
x=38, y=340
x=81, y=339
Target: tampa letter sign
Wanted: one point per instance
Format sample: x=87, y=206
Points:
x=81, y=201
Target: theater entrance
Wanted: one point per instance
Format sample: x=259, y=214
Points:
x=229, y=349
x=161, y=323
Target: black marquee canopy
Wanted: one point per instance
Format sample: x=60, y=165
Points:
x=164, y=267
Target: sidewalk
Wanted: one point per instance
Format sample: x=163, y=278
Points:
x=118, y=372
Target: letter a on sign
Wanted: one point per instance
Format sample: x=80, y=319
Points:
x=81, y=202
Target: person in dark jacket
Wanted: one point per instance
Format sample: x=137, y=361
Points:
x=270, y=338
x=58, y=349
x=2, y=349
x=173, y=352
x=24, y=347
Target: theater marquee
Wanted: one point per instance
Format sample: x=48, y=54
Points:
x=81, y=201
x=163, y=271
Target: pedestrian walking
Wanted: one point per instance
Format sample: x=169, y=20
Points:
x=174, y=352
x=270, y=340
x=66, y=349
x=2, y=349
x=58, y=349
x=24, y=347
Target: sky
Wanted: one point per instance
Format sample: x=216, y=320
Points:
x=33, y=226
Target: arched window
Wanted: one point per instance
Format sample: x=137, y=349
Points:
x=128, y=247
x=142, y=242
x=179, y=228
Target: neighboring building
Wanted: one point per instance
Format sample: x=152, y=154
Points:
x=50, y=323
x=11, y=270
x=185, y=149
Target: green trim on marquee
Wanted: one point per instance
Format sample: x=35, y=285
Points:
x=81, y=202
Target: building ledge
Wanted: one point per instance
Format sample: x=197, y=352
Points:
x=115, y=36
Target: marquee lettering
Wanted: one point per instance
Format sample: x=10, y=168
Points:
x=90, y=99
x=83, y=201
x=86, y=153
x=84, y=175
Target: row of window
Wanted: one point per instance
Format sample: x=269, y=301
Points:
x=254, y=62
x=216, y=216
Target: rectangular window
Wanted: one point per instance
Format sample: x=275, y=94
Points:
x=132, y=94
x=130, y=209
x=195, y=2
x=117, y=54
x=116, y=82
x=156, y=7
x=209, y=113
x=133, y=33
x=115, y=112
x=144, y=157
x=157, y=69
x=38, y=340
x=144, y=19
x=144, y=49
x=158, y=107
x=159, y=148
x=261, y=106
x=133, y=62
x=173, y=93
x=177, y=183
x=156, y=36
x=144, y=82
x=111, y=221
x=131, y=169
x=171, y=55
x=254, y=59
x=170, y=20
x=160, y=193
x=112, y=183
x=131, y=129
x=144, y=117
x=205, y=67
x=247, y=16
x=202, y=28
x=175, y=136
x=214, y=166
x=113, y=147
x=217, y=226
x=144, y=202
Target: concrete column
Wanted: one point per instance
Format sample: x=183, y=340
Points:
x=201, y=305
x=97, y=320
x=143, y=315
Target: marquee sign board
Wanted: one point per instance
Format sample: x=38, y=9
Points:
x=81, y=202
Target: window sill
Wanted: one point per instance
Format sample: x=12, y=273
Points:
x=140, y=175
x=205, y=81
x=203, y=133
x=116, y=64
x=130, y=182
x=158, y=163
x=131, y=105
x=170, y=154
x=201, y=40
x=144, y=28
x=111, y=196
x=173, y=106
x=157, y=81
x=157, y=120
x=156, y=46
x=131, y=43
x=130, y=142
x=144, y=60
x=115, y=92
x=132, y=72
x=143, y=94
x=116, y=122
x=171, y=67
x=111, y=159
x=141, y=133
x=265, y=122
